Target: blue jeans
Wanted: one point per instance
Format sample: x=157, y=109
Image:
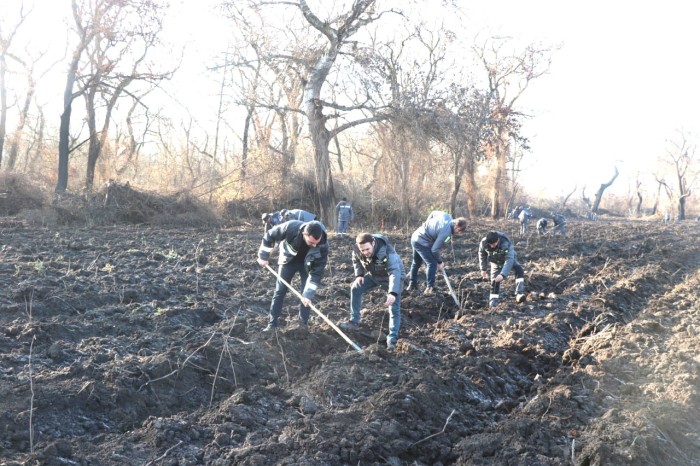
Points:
x=423, y=254
x=342, y=226
x=356, y=305
x=287, y=271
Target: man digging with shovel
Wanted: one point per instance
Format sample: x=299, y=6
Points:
x=303, y=249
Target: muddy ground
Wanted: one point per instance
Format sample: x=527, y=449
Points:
x=142, y=345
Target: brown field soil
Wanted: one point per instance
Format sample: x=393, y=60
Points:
x=142, y=345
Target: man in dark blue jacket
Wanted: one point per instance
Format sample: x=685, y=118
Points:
x=497, y=249
x=303, y=249
x=376, y=263
x=345, y=216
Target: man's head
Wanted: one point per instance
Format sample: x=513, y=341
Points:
x=459, y=225
x=313, y=232
x=365, y=243
x=345, y=199
x=266, y=218
x=492, y=239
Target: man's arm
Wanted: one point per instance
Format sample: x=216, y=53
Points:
x=316, y=268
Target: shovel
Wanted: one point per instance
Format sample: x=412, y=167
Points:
x=328, y=321
x=452, y=293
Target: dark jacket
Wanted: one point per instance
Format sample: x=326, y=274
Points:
x=289, y=235
x=503, y=255
x=384, y=265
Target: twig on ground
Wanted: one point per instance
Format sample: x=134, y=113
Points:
x=164, y=454
x=31, y=400
x=181, y=366
x=284, y=358
x=437, y=433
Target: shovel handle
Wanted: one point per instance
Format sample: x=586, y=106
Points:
x=326, y=319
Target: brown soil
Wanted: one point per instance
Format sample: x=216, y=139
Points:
x=142, y=345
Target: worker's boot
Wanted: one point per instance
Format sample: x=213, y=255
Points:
x=520, y=290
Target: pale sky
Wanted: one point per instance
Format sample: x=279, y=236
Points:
x=624, y=81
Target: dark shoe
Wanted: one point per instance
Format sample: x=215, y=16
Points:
x=391, y=345
x=349, y=325
x=270, y=327
x=429, y=291
x=520, y=298
x=411, y=286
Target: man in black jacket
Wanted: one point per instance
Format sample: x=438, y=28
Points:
x=497, y=249
x=303, y=249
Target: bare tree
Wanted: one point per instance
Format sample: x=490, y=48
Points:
x=328, y=39
x=566, y=198
x=128, y=31
x=599, y=194
x=115, y=36
x=86, y=32
x=680, y=157
x=6, y=38
x=509, y=76
x=464, y=133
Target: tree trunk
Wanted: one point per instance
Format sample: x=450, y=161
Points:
x=3, y=104
x=601, y=190
x=93, y=145
x=14, y=148
x=499, y=173
x=470, y=187
x=64, y=128
x=320, y=137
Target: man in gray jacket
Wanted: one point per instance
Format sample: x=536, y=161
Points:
x=427, y=241
x=304, y=250
x=497, y=249
x=376, y=263
x=298, y=214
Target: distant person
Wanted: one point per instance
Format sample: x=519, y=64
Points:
x=303, y=250
x=298, y=214
x=667, y=218
x=376, y=263
x=273, y=219
x=497, y=250
x=559, y=224
x=515, y=212
x=542, y=226
x=427, y=241
x=524, y=216
x=345, y=216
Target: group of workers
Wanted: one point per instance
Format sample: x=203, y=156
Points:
x=524, y=214
x=303, y=249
